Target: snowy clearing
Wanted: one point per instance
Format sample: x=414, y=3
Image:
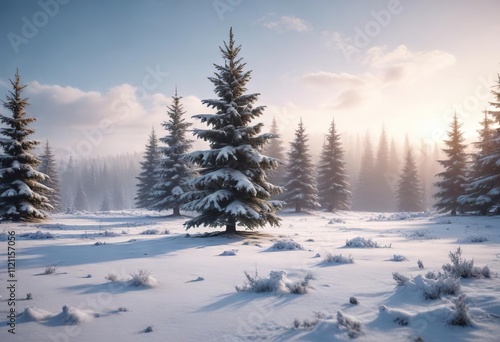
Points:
x=135, y=285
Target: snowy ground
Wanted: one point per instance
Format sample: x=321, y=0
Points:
x=190, y=294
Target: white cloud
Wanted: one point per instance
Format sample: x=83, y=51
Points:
x=330, y=79
x=284, y=23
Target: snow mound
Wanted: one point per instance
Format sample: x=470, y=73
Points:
x=349, y=324
x=33, y=315
x=420, y=234
x=38, y=235
x=400, y=317
x=71, y=315
x=398, y=216
x=229, y=253
x=431, y=289
x=277, y=282
x=336, y=220
x=398, y=257
x=286, y=245
x=361, y=242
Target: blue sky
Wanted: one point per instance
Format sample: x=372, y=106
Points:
x=100, y=73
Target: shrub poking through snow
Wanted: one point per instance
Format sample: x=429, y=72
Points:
x=339, y=259
x=336, y=220
x=50, y=270
x=463, y=268
x=421, y=234
x=361, y=242
x=353, y=301
x=72, y=315
x=420, y=264
x=397, y=316
x=150, y=232
x=148, y=329
x=111, y=277
x=38, y=235
x=305, y=324
x=277, y=282
x=397, y=257
x=33, y=315
x=460, y=315
x=29, y=296
x=142, y=278
x=349, y=323
x=286, y=245
x=477, y=238
x=401, y=280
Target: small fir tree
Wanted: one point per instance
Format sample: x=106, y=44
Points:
x=106, y=202
x=81, y=202
x=232, y=189
x=333, y=183
x=173, y=170
x=454, y=177
x=21, y=191
x=409, y=193
x=301, y=191
x=365, y=194
x=147, y=177
x=48, y=167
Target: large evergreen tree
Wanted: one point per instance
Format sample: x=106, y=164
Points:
x=21, y=191
x=147, y=177
x=232, y=189
x=48, y=166
x=409, y=193
x=173, y=170
x=301, y=191
x=333, y=183
x=476, y=197
x=276, y=150
x=454, y=177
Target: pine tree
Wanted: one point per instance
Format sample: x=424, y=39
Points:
x=476, y=197
x=382, y=188
x=21, y=190
x=409, y=193
x=276, y=150
x=365, y=192
x=173, y=170
x=333, y=183
x=80, y=203
x=147, y=177
x=106, y=202
x=232, y=188
x=118, y=201
x=48, y=167
x=301, y=191
x=454, y=177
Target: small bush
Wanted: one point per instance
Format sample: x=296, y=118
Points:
x=122, y=309
x=361, y=242
x=400, y=279
x=231, y=252
x=477, y=238
x=38, y=235
x=277, y=282
x=29, y=296
x=111, y=277
x=353, y=301
x=420, y=264
x=305, y=324
x=286, y=245
x=350, y=323
x=460, y=315
x=441, y=286
x=463, y=268
x=397, y=257
x=339, y=259
x=110, y=233
x=142, y=278
x=150, y=232
x=148, y=329
x=336, y=220
x=50, y=269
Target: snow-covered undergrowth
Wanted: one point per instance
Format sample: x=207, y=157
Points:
x=338, y=259
x=361, y=242
x=398, y=216
x=232, y=252
x=38, y=235
x=286, y=245
x=420, y=234
x=477, y=238
x=141, y=278
x=336, y=220
x=399, y=257
x=431, y=289
x=463, y=268
x=34, y=315
x=155, y=232
x=276, y=282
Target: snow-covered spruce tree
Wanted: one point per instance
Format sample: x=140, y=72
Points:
x=276, y=150
x=454, y=177
x=476, y=191
x=409, y=192
x=333, y=184
x=106, y=202
x=147, y=177
x=173, y=170
x=301, y=191
x=232, y=189
x=81, y=202
x=383, y=192
x=48, y=166
x=365, y=192
x=21, y=191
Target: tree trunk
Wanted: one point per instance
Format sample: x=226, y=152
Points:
x=453, y=212
x=298, y=208
x=231, y=226
x=177, y=211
